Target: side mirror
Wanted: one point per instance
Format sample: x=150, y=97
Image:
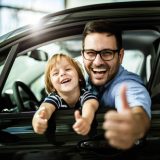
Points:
x=38, y=55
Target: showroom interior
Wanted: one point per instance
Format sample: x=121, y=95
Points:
x=17, y=13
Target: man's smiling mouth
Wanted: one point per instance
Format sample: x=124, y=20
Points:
x=99, y=70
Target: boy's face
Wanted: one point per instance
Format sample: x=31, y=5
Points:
x=64, y=77
x=100, y=71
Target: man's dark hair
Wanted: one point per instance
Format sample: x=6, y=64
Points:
x=103, y=26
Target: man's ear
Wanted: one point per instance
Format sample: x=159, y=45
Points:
x=121, y=54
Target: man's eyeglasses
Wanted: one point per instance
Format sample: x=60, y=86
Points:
x=106, y=54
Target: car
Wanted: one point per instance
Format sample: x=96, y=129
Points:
x=23, y=56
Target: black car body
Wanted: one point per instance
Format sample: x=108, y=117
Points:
x=24, y=52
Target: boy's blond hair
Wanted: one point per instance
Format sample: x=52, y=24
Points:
x=56, y=58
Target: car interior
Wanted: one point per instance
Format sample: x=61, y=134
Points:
x=24, y=89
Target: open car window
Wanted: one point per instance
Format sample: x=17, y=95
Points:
x=29, y=67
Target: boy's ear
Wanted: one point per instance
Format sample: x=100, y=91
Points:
x=53, y=89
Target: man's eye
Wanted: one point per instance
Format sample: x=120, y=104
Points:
x=107, y=52
x=91, y=53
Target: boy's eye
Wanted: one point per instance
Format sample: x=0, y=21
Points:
x=55, y=73
x=67, y=69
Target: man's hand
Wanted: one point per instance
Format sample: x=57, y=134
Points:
x=40, y=122
x=124, y=128
x=81, y=126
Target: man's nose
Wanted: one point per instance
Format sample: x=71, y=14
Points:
x=98, y=60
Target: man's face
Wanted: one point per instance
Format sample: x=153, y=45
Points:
x=100, y=71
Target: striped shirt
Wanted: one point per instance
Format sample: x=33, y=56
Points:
x=59, y=103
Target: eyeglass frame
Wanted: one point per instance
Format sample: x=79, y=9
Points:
x=99, y=52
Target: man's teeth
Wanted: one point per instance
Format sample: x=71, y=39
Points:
x=99, y=70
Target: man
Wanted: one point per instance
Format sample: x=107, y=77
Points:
x=116, y=87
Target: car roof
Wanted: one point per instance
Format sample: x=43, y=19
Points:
x=131, y=12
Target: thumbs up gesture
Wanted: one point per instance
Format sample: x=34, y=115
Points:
x=40, y=122
x=121, y=127
x=81, y=126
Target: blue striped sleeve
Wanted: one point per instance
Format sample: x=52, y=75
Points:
x=86, y=95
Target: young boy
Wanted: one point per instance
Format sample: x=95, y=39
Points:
x=65, y=84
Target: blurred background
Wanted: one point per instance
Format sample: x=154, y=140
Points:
x=17, y=13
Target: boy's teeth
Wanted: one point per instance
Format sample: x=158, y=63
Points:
x=64, y=81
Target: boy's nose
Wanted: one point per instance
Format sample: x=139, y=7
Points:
x=62, y=73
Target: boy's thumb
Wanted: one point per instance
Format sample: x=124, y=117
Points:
x=42, y=113
x=77, y=115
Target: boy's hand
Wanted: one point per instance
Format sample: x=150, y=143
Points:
x=40, y=122
x=81, y=126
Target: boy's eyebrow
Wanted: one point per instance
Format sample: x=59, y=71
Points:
x=53, y=69
x=69, y=65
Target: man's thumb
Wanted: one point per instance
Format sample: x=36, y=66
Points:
x=123, y=95
x=77, y=115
